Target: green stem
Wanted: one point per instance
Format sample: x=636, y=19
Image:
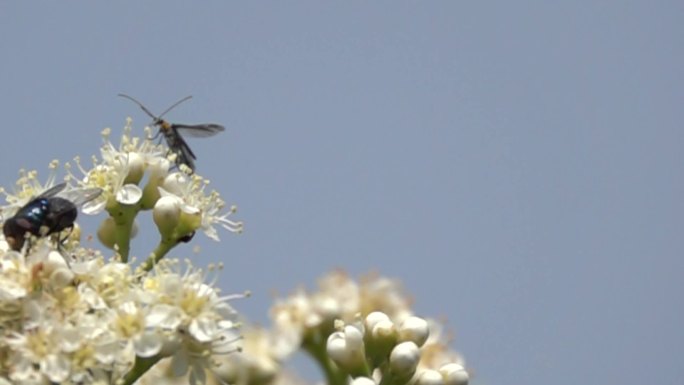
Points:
x=317, y=351
x=124, y=216
x=123, y=239
x=142, y=365
x=164, y=246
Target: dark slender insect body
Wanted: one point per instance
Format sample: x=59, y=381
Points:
x=46, y=214
x=172, y=133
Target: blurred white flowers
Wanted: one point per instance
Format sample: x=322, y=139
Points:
x=71, y=315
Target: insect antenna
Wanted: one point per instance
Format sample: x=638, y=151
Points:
x=141, y=106
x=174, y=105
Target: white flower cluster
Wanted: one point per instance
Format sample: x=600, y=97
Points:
x=304, y=315
x=378, y=350
x=368, y=331
x=179, y=199
x=82, y=319
x=69, y=315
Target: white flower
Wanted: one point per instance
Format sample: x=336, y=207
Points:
x=130, y=326
x=338, y=297
x=120, y=170
x=197, y=209
x=26, y=188
x=41, y=348
x=256, y=363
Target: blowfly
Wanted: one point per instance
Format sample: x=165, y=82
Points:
x=48, y=213
x=172, y=133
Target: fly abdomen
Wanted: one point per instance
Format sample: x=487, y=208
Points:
x=61, y=215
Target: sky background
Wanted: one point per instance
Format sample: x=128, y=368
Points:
x=518, y=165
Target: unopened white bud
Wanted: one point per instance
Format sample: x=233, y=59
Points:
x=384, y=331
x=337, y=347
x=347, y=349
x=430, y=377
x=173, y=183
x=166, y=214
x=158, y=169
x=373, y=318
x=328, y=308
x=454, y=374
x=363, y=381
x=106, y=233
x=354, y=338
x=404, y=359
x=381, y=339
x=414, y=329
x=136, y=168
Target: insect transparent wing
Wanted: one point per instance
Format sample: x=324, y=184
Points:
x=52, y=191
x=79, y=196
x=199, y=130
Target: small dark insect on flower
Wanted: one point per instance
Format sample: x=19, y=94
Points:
x=172, y=133
x=46, y=214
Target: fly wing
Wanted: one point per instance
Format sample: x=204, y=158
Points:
x=52, y=191
x=199, y=130
x=80, y=196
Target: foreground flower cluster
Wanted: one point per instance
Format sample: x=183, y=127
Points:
x=74, y=314
x=70, y=315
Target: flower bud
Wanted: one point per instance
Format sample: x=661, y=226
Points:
x=346, y=349
x=158, y=170
x=363, y=381
x=454, y=374
x=414, y=329
x=136, y=168
x=430, y=377
x=166, y=214
x=106, y=233
x=384, y=332
x=188, y=223
x=373, y=318
x=404, y=359
x=173, y=183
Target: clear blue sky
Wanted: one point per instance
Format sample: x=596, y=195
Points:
x=517, y=164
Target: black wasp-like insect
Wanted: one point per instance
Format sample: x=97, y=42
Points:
x=172, y=133
x=46, y=214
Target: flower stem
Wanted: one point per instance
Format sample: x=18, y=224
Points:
x=123, y=240
x=142, y=365
x=124, y=216
x=164, y=246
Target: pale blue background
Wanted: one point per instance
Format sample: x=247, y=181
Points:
x=517, y=164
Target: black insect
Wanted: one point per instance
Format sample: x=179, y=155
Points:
x=172, y=133
x=46, y=214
